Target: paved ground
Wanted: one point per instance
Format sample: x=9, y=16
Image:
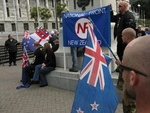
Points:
x=33, y=99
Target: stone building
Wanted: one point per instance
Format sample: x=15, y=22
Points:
x=15, y=14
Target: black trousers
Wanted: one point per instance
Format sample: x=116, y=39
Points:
x=30, y=70
x=12, y=57
x=120, y=49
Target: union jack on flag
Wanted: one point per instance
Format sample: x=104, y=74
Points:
x=25, y=59
x=94, y=66
x=95, y=92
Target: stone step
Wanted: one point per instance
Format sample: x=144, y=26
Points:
x=64, y=79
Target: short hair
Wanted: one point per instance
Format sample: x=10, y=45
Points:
x=36, y=44
x=9, y=35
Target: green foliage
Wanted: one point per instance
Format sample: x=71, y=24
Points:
x=61, y=7
x=44, y=13
x=144, y=6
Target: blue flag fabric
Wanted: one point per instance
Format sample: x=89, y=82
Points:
x=24, y=79
x=75, y=25
x=28, y=42
x=95, y=91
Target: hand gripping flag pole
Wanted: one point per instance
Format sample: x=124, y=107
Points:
x=103, y=38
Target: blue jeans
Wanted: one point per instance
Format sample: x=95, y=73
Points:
x=74, y=58
x=36, y=72
x=43, y=72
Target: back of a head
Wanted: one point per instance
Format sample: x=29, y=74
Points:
x=130, y=32
x=36, y=44
x=137, y=54
x=47, y=47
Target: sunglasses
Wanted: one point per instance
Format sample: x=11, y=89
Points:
x=122, y=67
x=120, y=5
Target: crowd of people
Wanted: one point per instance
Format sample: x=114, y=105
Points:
x=133, y=64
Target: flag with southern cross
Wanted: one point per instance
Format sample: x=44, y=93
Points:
x=95, y=91
x=28, y=42
x=25, y=77
x=41, y=35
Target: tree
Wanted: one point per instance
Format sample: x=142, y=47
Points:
x=144, y=6
x=44, y=13
x=60, y=8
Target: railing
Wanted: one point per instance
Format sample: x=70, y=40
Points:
x=4, y=55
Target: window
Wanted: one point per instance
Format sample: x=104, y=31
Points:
x=53, y=25
x=8, y=15
x=52, y=3
x=13, y=25
x=26, y=26
x=18, y=1
x=6, y=1
x=2, y=27
x=44, y=3
x=60, y=24
x=92, y=4
x=35, y=25
x=74, y=4
x=45, y=25
x=19, y=12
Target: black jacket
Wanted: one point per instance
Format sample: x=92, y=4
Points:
x=11, y=45
x=122, y=21
x=50, y=59
x=39, y=56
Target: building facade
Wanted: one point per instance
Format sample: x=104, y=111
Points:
x=15, y=14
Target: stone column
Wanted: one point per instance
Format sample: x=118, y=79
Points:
x=4, y=10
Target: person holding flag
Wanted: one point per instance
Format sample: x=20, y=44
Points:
x=39, y=56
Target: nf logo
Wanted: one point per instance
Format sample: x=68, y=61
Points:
x=81, y=27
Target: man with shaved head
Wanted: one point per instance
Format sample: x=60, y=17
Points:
x=124, y=19
x=136, y=72
x=128, y=35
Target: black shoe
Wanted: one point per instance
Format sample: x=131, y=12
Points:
x=72, y=70
x=9, y=65
x=43, y=85
x=15, y=64
x=34, y=82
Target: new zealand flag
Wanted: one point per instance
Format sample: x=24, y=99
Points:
x=95, y=91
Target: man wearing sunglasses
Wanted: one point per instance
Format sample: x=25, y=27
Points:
x=128, y=35
x=123, y=19
x=136, y=72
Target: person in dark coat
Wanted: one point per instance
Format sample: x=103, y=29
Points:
x=123, y=19
x=47, y=66
x=39, y=56
x=54, y=41
x=11, y=46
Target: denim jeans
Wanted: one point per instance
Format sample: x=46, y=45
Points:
x=43, y=72
x=74, y=58
x=36, y=72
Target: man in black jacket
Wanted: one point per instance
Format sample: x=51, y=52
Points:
x=39, y=56
x=11, y=46
x=123, y=20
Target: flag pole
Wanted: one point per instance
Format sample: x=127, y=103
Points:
x=103, y=38
x=26, y=52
